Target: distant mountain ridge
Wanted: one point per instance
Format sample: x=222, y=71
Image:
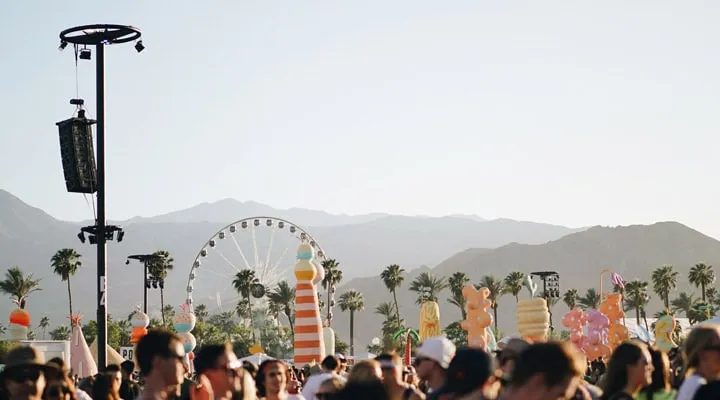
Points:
x=633, y=251
x=363, y=245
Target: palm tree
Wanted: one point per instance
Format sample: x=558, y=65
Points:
x=244, y=283
x=514, y=284
x=571, y=297
x=19, y=286
x=590, y=300
x=201, y=312
x=664, y=280
x=158, y=267
x=43, y=325
x=457, y=281
x=352, y=301
x=392, y=277
x=65, y=263
x=497, y=289
x=168, y=312
x=702, y=275
x=684, y=303
x=636, y=297
x=428, y=287
x=333, y=276
x=284, y=297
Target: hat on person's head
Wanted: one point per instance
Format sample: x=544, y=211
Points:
x=513, y=348
x=438, y=349
x=24, y=357
x=469, y=370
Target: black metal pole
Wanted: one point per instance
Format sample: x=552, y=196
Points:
x=101, y=245
x=145, y=288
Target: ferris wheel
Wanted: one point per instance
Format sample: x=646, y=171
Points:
x=265, y=245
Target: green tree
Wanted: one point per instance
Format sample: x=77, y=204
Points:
x=497, y=289
x=684, y=303
x=571, y=297
x=247, y=284
x=89, y=331
x=65, y=263
x=636, y=297
x=513, y=284
x=201, y=312
x=456, y=282
x=168, y=313
x=333, y=276
x=664, y=280
x=455, y=333
x=283, y=297
x=43, y=325
x=427, y=287
x=590, y=300
x=702, y=275
x=158, y=267
x=390, y=325
x=353, y=302
x=393, y=277
x=19, y=286
x=62, y=332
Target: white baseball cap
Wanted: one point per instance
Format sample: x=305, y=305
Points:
x=438, y=349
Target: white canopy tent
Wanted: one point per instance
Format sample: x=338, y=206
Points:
x=257, y=359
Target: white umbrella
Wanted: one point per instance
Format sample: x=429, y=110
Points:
x=257, y=359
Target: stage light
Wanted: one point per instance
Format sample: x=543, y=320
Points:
x=85, y=54
x=92, y=239
x=81, y=236
x=63, y=45
x=139, y=46
x=121, y=235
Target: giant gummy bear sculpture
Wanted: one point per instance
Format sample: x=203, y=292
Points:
x=612, y=308
x=597, y=338
x=478, y=317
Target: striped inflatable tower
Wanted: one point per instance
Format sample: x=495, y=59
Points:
x=309, y=344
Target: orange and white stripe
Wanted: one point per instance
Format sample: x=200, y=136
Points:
x=309, y=344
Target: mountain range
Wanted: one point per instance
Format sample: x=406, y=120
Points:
x=363, y=244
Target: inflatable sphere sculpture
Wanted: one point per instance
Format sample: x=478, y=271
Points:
x=140, y=322
x=429, y=320
x=188, y=341
x=533, y=319
x=574, y=320
x=478, y=317
x=309, y=341
x=329, y=338
x=19, y=324
x=185, y=320
x=664, y=328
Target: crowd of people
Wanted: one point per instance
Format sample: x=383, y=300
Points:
x=520, y=371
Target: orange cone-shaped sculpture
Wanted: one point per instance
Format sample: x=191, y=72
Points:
x=309, y=343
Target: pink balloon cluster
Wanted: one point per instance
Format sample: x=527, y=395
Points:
x=596, y=345
x=574, y=320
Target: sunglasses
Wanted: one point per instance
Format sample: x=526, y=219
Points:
x=24, y=374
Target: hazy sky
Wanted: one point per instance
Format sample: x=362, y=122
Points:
x=554, y=111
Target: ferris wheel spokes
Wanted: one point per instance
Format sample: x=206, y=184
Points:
x=230, y=263
x=269, y=252
x=239, y=249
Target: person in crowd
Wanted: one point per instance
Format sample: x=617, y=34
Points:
x=129, y=390
x=509, y=355
x=24, y=374
x=250, y=367
x=107, y=385
x=660, y=387
x=468, y=376
x=432, y=359
x=218, y=371
x=271, y=380
x=160, y=354
x=63, y=372
x=392, y=371
x=629, y=370
x=343, y=365
x=410, y=376
x=365, y=371
x=60, y=386
x=329, y=388
x=545, y=371
x=702, y=360
x=709, y=391
x=330, y=366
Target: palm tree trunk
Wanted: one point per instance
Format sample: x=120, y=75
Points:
x=463, y=313
x=397, y=308
x=637, y=315
x=162, y=305
x=290, y=320
x=252, y=327
x=352, y=333
x=69, y=298
x=494, y=307
x=327, y=315
x=667, y=301
x=702, y=291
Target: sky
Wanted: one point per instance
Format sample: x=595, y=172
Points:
x=574, y=113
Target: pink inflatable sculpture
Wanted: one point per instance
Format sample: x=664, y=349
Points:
x=596, y=345
x=574, y=320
